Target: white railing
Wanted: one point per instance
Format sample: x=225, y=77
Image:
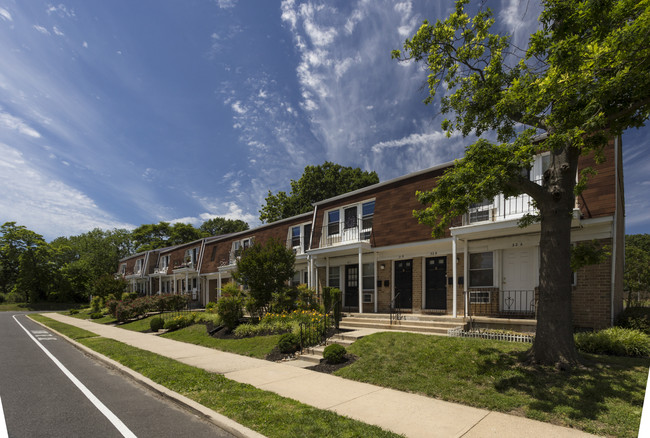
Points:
x=330, y=237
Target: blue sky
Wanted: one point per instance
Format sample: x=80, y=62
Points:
x=118, y=113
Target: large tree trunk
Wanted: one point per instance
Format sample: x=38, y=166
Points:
x=554, y=344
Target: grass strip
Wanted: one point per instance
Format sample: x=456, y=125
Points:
x=257, y=346
x=605, y=397
x=263, y=411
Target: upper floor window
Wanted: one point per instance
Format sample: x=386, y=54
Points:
x=295, y=236
x=480, y=211
x=123, y=268
x=352, y=216
x=239, y=245
x=333, y=222
x=164, y=261
x=214, y=253
x=138, y=265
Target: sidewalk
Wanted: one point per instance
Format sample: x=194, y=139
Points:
x=404, y=413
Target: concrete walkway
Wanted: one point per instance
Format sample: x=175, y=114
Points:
x=409, y=414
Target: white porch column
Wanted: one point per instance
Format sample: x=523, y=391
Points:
x=175, y=285
x=187, y=285
x=315, y=278
x=375, y=281
x=466, y=276
x=360, y=282
x=455, y=274
x=219, y=287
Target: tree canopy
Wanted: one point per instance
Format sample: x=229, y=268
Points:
x=637, y=266
x=583, y=79
x=219, y=225
x=316, y=183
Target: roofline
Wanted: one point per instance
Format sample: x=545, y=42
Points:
x=240, y=233
x=381, y=184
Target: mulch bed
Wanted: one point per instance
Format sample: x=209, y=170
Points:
x=328, y=368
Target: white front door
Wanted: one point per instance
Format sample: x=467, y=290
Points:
x=518, y=280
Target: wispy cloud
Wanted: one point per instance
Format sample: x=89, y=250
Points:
x=46, y=204
x=16, y=124
x=5, y=15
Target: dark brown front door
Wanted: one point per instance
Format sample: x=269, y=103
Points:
x=404, y=284
x=436, y=283
x=351, y=286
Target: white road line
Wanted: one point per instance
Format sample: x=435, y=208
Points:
x=3, y=423
x=121, y=427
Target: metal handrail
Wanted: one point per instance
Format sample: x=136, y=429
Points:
x=395, y=312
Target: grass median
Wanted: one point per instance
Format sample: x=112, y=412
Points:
x=604, y=397
x=263, y=411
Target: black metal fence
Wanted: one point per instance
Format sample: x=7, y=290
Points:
x=502, y=303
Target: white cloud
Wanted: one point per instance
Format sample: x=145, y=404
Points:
x=5, y=15
x=411, y=140
x=226, y=4
x=57, y=31
x=41, y=29
x=43, y=203
x=14, y=123
x=238, y=108
x=84, y=45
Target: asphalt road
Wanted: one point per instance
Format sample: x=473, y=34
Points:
x=39, y=399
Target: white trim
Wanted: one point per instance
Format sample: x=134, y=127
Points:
x=454, y=250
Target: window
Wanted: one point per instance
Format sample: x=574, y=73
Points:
x=481, y=269
x=295, y=237
x=213, y=255
x=335, y=277
x=367, y=298
x=480, y=211
x=350, y=217
x=368, y=279
x=138, y=266
x=295, y=281
x=333, y=218
x=367, y=211
x=123, y=269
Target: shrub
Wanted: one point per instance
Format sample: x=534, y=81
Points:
x=97, y=304
x=211, y=307
x=96, y=315
x=128, y=296
x=156, y=323
x=637, y=318
x=334, y=353
x=614, y=341
x=178, y=322
x=230, y=311
x=288, y=343
x=73, y=311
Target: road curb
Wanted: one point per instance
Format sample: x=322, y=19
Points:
x=207, y=414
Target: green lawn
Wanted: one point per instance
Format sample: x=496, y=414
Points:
x=85, y=314
x=258, y=346
x=263, y=411
x=605, y=397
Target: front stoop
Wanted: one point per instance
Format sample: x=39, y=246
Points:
x=315, y=354
x=426, y=324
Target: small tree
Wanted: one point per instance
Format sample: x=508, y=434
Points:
x=107, y=285
x=264, y=270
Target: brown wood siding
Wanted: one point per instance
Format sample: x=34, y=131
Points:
x=599, y=198
x=393, y=221
x=260, y=235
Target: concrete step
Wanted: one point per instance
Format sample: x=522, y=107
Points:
x=451, y=323
x=404, y=328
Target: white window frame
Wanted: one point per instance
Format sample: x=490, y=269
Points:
x=469, y=270
x=341, y=213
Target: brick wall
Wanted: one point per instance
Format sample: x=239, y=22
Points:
x=591, y=303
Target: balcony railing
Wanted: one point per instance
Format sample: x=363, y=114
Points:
x=184, y=265
x=502, y=303
x=332, y=236
x=160, y=270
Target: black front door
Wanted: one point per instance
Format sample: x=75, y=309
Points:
x=404, y=284
x=351, y=286
x=436, y=283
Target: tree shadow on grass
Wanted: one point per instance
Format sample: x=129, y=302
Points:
x=585, y=392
